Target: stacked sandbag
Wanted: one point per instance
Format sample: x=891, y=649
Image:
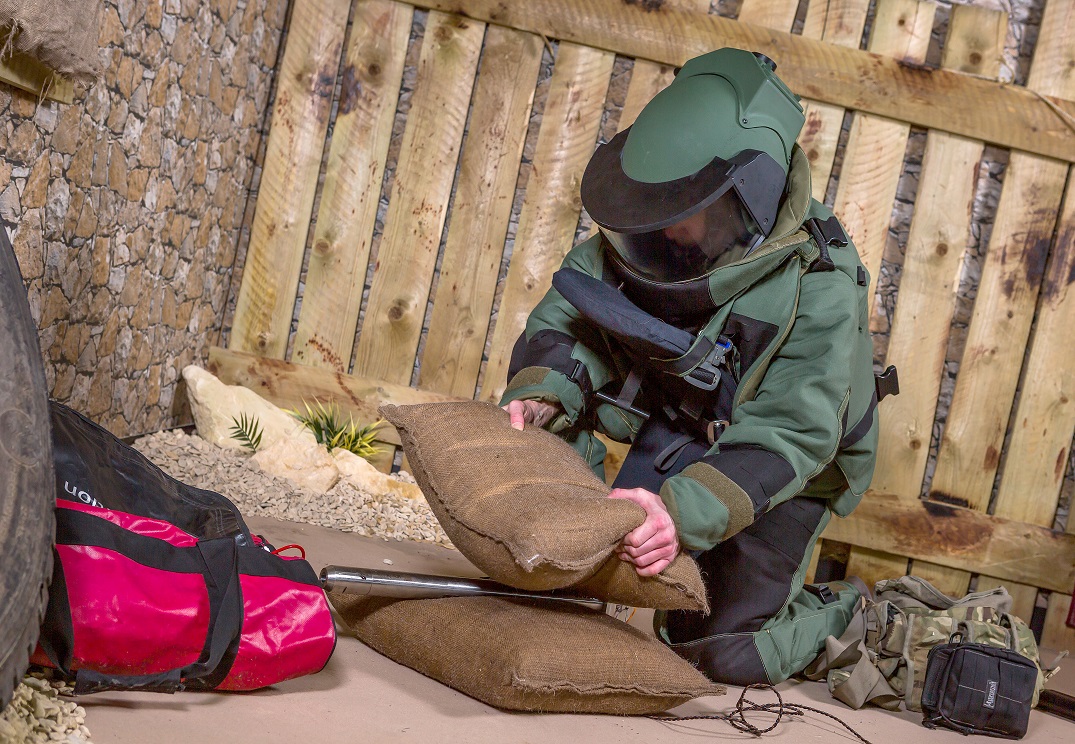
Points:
x=526, y=509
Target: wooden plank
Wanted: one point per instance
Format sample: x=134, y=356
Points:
x=332, y=296
x=26, y=73
x=873, y=160
x=550, y=213
x=989, y=371
x=287, y=384
x=1006, y=115
x=388, y=340
x=1056, y=633
x=940, y=232
x=1037, y=455
x=960, y=538
x=307, y=76
x=936, y=245
x=836, y=22
x=481, y=211
x=778, y=14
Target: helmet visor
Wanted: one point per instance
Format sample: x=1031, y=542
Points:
x=720, y=233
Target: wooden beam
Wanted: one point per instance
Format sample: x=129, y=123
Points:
x=421, y=189
x=1006, y=115
x=332, y=296
x=481, y=211
x=836, y=22
x=26, y=73
x=550, y=213
x=960, y=538
x=300, y=116
x=287, y=385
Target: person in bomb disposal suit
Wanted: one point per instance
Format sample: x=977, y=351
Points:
x=718, y=322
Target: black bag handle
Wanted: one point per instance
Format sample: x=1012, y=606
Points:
x=220, y=558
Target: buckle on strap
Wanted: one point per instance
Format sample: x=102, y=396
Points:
x=705, y=375
x=821, y=591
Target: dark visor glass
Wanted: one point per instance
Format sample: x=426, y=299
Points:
x=692, y=247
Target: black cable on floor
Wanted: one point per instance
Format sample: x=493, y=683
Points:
x=737, y=718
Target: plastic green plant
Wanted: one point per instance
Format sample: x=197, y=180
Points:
x=247, y=431
x=334, y=432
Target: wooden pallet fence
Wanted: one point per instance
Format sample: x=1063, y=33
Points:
x=1005, y=115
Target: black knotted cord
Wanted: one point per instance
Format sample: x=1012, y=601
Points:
x=737, y=718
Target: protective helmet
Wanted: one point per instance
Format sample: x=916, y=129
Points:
x=701, y=171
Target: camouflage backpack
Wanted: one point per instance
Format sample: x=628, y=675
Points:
x=881, y=658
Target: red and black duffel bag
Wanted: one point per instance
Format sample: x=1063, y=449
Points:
x=160, y=586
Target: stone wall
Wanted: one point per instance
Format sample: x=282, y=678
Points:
x=125, y=208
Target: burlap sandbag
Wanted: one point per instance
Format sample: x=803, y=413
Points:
x=60, y=33
x=527, y=510
x=531, y=656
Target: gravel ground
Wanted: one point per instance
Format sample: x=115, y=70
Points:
x=40, y=712
x=189, y=458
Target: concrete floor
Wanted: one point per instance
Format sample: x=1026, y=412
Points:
x=362, y=696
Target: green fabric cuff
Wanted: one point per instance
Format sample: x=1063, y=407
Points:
x=706, y=505
x=542, y=383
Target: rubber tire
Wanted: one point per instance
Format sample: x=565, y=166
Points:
x=27, y=483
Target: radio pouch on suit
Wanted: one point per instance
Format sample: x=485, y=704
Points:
x=975, y=688
x=159, y=586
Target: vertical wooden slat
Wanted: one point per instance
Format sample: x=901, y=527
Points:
x=650, y=78
x=550, y=213
x=373, y=69
x=778, y=14
x=388, y=340
x=873, y=160
x=307, y=78
x=1011, y=276
x=938, y=239
x=872, y=165
x=481, y=211
x=837, y=22
x=1038, y=452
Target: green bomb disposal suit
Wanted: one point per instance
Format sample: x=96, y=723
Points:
x=753, y=447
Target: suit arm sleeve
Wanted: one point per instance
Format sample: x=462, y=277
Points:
x=787, y=433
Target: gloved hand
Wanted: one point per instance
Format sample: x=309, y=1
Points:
x=654, y=544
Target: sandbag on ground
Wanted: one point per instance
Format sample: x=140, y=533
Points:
x=527, y=655
x=527, y=510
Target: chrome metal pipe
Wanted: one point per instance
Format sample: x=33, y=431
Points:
x=375, y=582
